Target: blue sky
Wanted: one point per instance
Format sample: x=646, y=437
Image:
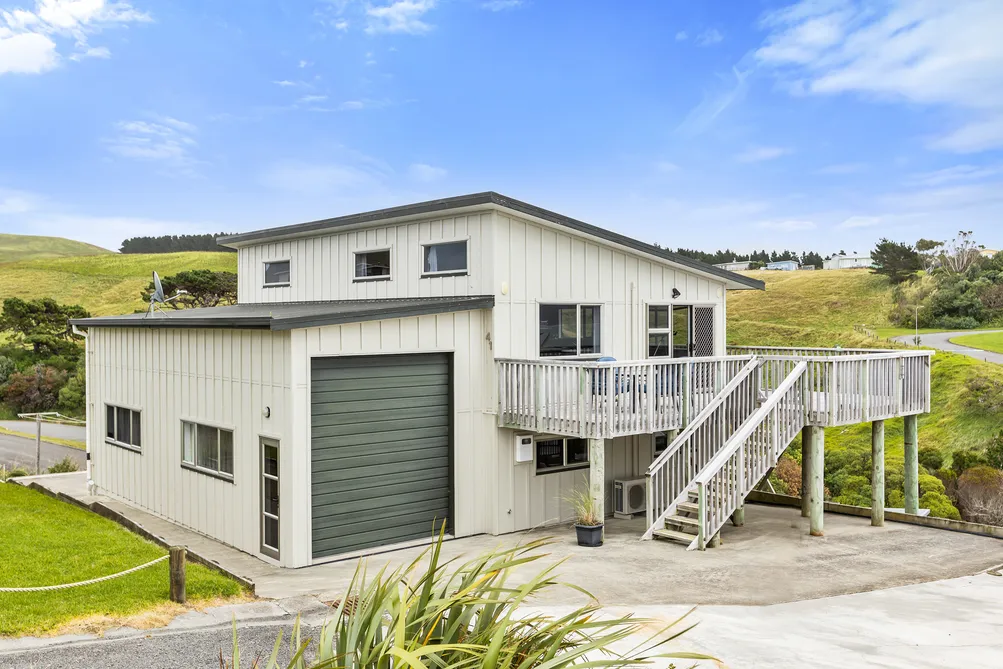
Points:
x=820, y=124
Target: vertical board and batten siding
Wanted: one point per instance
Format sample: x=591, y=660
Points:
x=220, y=377
x=465, y=335
x=541, y=264
x=322, y=267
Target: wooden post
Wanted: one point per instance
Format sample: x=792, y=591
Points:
x=177, y=562
x=738, y=518
x=806, y=436
x=878, y=473
x=911, y=465
x=816, y=493
x=597, y=477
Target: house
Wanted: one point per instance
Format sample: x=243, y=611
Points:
x=848, y=262
x=735, y=265
x=466, y=362
x=783, y=265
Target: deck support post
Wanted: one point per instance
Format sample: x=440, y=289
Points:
x=738, y=517
x=878, y=473
x=816, y=490
x=597, y=476
x=911, y=464
x=805, y=469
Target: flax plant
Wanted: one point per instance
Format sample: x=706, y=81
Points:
x=433, y=614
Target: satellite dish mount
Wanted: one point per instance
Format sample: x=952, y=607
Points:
x=158, y=297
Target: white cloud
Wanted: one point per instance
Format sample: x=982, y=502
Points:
x=757, y=154
x=30, y=40
x=787, y=225
x=165, y=140
x=304, y=64
x=681, y=36
x=709, y=37
x=400, y=16
x=947, y=54
x=956, y=173
x=501, y=5
x=423, y=173
x=341, y=24
x=842, y=168
x=370, y=60
x=716, y=103
x=16, y=202
x=854, y=222
x=324, y=178
x=307, y=99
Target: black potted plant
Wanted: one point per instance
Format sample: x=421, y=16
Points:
x=588, y=523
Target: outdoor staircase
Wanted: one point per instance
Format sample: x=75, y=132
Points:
x=704, y=475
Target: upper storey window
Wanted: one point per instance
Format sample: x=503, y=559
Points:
x=372, y=265
x=446, y=258
x=277, y=273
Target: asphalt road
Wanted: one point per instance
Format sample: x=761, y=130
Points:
x=20, y=452
x=184, y=648
x=56, y=430
x=941, y=341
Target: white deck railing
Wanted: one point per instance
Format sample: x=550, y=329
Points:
x=670, y=476
x=603, y=400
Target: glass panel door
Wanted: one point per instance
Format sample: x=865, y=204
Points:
x=682, y=337
x=270, y=497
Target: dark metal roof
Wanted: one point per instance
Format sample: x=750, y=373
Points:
x=291, y=315
x=477, y=199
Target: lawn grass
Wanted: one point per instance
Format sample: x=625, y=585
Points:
x=105, y=285
x=15, y=248
x=44, y=541
x=987, y=342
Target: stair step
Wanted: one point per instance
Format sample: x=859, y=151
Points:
x=693, y=495
x=682, y=521
x=688, y=507
x=673, y=535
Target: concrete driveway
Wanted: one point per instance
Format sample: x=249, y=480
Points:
x=942, y=342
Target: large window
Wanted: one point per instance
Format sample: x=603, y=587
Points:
x=555, y=455
x=277, y=273
x=669, y=331
x=372, y=265
x=569, y=330
x=447, y=258
x=207, y=449
x=123, y=427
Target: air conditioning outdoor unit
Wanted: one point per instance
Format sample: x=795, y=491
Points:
x=629, y=497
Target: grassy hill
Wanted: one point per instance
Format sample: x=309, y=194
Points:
x=14, y=248
x=820, y=309
x=105, y=284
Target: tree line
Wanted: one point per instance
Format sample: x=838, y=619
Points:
x=757, y=258
x=174, y=244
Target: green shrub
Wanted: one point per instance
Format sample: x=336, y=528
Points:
x=965, y=459
x=856, y=491
x=14, y=472
x=994, y=452
x=34, y=390
x=73, y=395
x=896, y=499
x=7, y=367
x=940, y=506
x=928, y=483
x=64, y=466
x=931, y=458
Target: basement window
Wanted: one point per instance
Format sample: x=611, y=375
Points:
x=207, y=449
x=277, y=273
x=372, y=265
x=123, y=427
x=560, y=455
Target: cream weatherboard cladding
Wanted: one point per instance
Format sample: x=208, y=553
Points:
x=323, y=266
x=220, y=377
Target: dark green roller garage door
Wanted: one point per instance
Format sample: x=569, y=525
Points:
x=381, y=450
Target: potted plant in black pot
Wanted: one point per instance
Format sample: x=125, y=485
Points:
x=588, y=523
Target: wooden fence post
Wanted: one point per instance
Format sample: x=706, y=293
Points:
x=177, y=562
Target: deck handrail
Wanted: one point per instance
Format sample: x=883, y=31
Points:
x=732, y=473
x=669, y=477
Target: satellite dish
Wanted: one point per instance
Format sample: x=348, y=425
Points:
x=158, y=292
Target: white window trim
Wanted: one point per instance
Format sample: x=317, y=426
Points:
x=650, y=330
x=215, y=473
x=453, y=272
x=116, y=442
x=564, y=450
x=363, y=279
x=284, y=284
x=578, y=321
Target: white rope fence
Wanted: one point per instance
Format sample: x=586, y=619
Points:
x=45, y=588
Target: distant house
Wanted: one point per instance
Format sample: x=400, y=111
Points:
x=735, y=265
x=985, y=253
x=848, y=262
x=783, y=265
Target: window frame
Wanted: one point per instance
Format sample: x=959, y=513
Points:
x=440, y=242
x=364, y=279
x=273, y=552
x=578, y=323
x=658, y=331
x=277, y=284
x=654, y=443
x=122, y=444
x=564, y=456
x=193, y=466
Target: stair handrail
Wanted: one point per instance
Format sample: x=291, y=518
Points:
x=710, y=521
x=687, y=433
